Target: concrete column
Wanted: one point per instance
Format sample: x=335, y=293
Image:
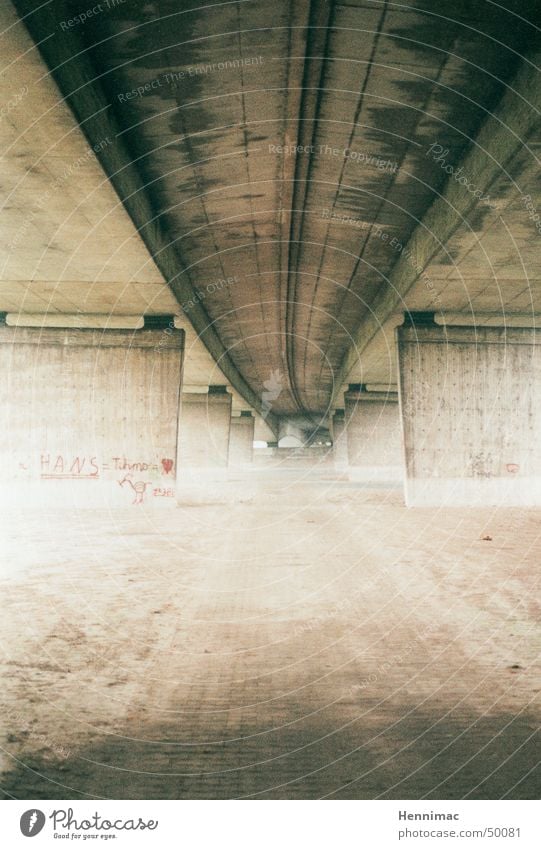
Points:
x=292, y=432
x=241, y=439
x=373, y=435
x=471, y=413
x=89, y=417
x=339, y=440
x=203, y=441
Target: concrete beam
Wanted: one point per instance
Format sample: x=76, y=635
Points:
x=317, y=38
x=86, y=320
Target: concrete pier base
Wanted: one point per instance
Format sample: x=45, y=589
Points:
x=373, y=436
x=471, y=413
x=339, y=441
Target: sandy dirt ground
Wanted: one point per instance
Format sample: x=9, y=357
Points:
x=291, y=636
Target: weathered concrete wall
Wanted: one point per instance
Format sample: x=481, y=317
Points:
x=241, y=440
x=339, y=441
x=471, y=413
x=203, y=441
x=373, y=436
x=89, y=417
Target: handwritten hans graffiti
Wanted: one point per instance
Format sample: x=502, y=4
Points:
x=68, y=467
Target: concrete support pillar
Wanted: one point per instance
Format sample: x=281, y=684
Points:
x=373, y=435
x=471, y=413
x=292, y=432
x=89, y=417
x=241, y=439
x=339, y=441
x=203, y=440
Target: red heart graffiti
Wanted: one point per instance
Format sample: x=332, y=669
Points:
x=167, y=465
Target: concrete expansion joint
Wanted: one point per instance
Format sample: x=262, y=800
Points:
x=159, y=322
